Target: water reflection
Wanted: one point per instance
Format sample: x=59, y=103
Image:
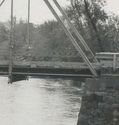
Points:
x=38, y=102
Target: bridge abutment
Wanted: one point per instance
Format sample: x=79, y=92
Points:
x=100, y=102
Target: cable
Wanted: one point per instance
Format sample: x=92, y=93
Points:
x=2, y=3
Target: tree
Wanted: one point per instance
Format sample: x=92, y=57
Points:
x=112, y=33
x=56, y=42
x=3, y=33
x=90, y=14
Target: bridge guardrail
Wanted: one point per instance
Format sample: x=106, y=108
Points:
x=108, y=59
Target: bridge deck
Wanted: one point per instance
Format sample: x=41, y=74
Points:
x=65, y=69
x=74, y=69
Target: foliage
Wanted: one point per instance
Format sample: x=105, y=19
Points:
x=49, y=42
x=90, y=14
x=3, y=33
x=57, y=43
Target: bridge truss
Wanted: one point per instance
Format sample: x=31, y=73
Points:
x=78, y=41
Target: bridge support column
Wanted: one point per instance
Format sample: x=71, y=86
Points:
x=10, y=78
x=100, y=102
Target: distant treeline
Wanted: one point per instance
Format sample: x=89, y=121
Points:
x=49, y=42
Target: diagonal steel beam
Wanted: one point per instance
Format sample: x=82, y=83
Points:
x=2, y=3
x=74, y=42
x=80, y=38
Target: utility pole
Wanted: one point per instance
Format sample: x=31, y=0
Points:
x=11, y=46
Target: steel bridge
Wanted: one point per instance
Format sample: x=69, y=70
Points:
x=92, y=67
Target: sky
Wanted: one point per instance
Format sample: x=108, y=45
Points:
x=39, y=11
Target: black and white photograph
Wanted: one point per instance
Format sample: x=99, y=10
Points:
x=59, y=62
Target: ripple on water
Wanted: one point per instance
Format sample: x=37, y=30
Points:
x=38, y=102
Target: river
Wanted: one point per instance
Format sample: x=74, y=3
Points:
x=39, y=102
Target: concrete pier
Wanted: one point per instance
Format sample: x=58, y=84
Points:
x=100, y=102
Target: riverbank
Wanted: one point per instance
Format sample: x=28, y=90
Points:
x=100, y=103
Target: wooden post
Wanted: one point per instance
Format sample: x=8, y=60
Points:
x=114, y=62
x=11, y=46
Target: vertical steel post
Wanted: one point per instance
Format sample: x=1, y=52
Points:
x=11, y=46
x=28, y=25
x=14, y=39
x=74, y=42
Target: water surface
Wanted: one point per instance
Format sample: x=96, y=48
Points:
x=38, y=102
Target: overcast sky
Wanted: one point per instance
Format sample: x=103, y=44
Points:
x=39, y=11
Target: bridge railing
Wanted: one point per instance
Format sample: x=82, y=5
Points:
x=108, y=59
